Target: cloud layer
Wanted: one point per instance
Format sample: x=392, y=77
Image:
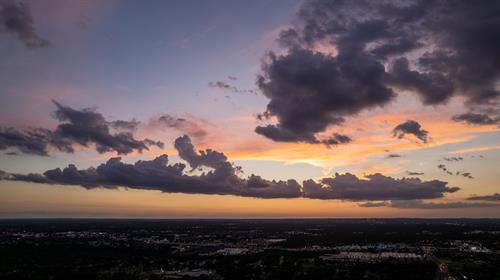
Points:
x=219, y=176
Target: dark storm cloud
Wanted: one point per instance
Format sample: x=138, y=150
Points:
x=16, y=18
x=219, y=176
x=476, y=119
x=418, y=204
x=432, y=87
x=436, y=49
x=410, y=127
x=493, y=197
x=309, y=91
x=375, y=187
x=192, y=127
x=83, y=127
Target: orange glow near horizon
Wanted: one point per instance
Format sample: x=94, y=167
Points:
x=129, y=203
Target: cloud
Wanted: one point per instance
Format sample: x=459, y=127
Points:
x=411, y=173
x=310, y=91
x=83, y=127
x=418, y=204
x=193, y=127
x=375, y=187
x=435, y=49
x=208, y=158
x=373, y=204
x=3, y=175
x=445, y=169
x=466, y=175
x=493, y=197
x=219, y=176
x=433, y=87
x=157, y=174
x=276, y=133
x=410, y=127
x=89, y=127
x=125, y=125
x=450, y=159
x=33, y=141
x=222, y=85
x=226, y=173
x=393, y=155
x=336, y=139
x=475, y=149
x=16, y=18
x=475, y=119
x=225, y=86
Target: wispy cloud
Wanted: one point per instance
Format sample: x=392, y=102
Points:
x=474, y=149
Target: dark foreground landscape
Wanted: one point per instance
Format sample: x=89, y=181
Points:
x=250, y=249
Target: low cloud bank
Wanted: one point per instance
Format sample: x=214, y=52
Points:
x=217, y=175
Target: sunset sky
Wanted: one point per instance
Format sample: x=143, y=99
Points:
x=265, y=109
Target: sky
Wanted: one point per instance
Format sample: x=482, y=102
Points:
x=249, y=109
